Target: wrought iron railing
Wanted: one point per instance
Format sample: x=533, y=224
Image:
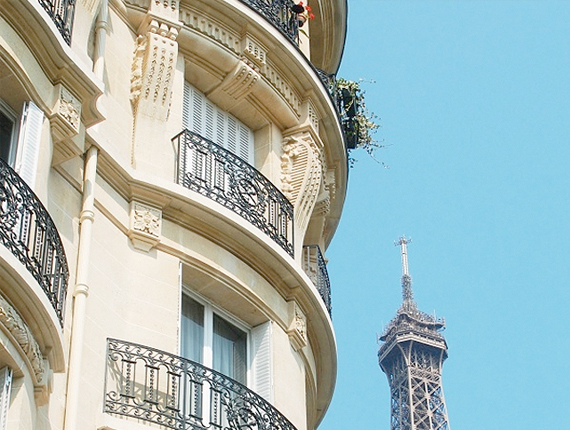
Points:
x=61, y=13
x=315, y=266
x=177, y=393
x=278, y=13
x=27, y=230
x=329, y=81
x=224, y=177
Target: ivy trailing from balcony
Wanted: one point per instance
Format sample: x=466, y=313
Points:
x=359, y=124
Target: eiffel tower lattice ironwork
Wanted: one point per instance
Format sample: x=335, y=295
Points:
x=412, y=356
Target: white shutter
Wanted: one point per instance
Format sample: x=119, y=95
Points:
x=209, y=115
x=5, y=390
x=231, y=137
x=187, y=107
x=261, y=361
x=29, y=143
x=201, y=116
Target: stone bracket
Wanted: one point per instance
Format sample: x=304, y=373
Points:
x=297, y=326
x=145, y=226
x=66, y=126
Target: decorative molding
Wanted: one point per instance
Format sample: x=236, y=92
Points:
x=210, y=28
x=237, y=84
x=280, y=84
x=297, y=326
x=302, y=167
x=255, y=52
x=65, y=122
x=146, y=226
x=312, y=116
x=152, y=71
x=20, y=331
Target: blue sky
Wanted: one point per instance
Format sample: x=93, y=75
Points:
x=474, y=101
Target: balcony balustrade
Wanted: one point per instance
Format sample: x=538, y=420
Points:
x=278, y=13
x=61, y=13
x=315, y=266
x=220, y=175
x=28, y=232
x=176, y=393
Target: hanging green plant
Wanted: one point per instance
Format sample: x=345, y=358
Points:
x=358, y=123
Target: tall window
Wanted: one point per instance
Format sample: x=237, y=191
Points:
x=20, y=144
x=203, y=117
x=7, y=133
x=209, y=339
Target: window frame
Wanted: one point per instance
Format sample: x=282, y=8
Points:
x=210, y=309
x=13, y=116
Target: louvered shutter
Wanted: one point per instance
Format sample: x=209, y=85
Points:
x=262, y=363
x=201, y=116
x=29, y=143
x=5, y=391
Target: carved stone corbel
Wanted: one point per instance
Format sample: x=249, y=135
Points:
x=297, y=326
x=302, y=167
x=154, y=60
x=65, y=124
x=145, y=226
x=236, y=86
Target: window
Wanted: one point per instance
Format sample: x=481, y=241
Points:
x=227, y=346
x=209, y=339
x=202, y=117
x=7, y=133
x=20, y=145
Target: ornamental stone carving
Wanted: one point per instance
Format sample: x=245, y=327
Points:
x=298, y=326
x=18, y=329
x=154, y=60
x=302, y=167
x=65, y=121
x=69, y=108
x=236, y=85
x=146, y=225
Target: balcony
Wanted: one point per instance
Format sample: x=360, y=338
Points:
x=173, y=392
x=218, y=174
x=61, y=13
x=315, y=266
x=28, y=232
x=278, y=13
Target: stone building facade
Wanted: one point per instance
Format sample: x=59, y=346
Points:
x=171, y=174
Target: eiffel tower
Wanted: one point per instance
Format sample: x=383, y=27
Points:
x=412, y=356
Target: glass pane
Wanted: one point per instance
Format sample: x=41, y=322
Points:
x=6, y=129
x=230, y=350
x=192, y=327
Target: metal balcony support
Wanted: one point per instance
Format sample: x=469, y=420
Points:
x=161, y=388
x=61, y=13
x=217, y=173
x=315, y=266
x=278, y=13
x=27, y=230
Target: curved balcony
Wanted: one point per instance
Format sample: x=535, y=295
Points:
x=29, y=233
x=176, y=393
x=220, y=175
x=61, y=13
x=315, y=266
x=278, y=13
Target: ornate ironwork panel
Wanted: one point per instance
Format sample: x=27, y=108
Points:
x=27, y=230
x=278, y=13
x=176, y=393
x=315, y=266
x=224, y=177
x=61, y=13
